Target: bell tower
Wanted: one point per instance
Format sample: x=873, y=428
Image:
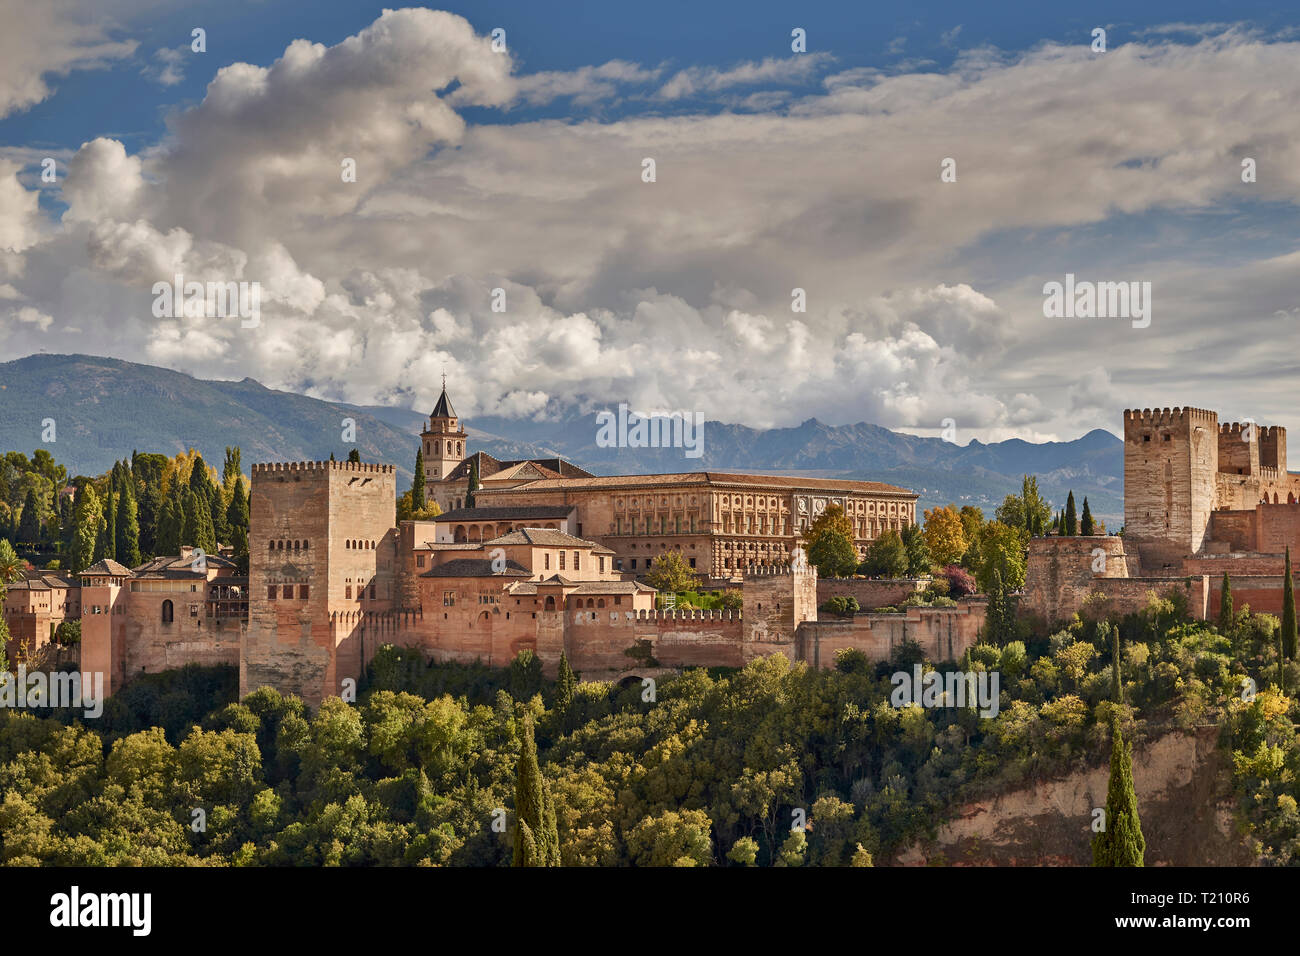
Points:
x=444, y=443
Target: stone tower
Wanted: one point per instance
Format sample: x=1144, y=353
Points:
x=1171, y=458
x=444, y=443
x=322, y=553
x=777, y=601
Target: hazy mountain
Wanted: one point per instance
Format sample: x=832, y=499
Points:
x=105, y=408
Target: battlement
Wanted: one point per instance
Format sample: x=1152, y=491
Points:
x=766, y=570
x=1269, y=473
x=323, y=466
x=1234, y=429
x=1152, y=417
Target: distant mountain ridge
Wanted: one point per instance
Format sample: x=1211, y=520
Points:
x=105, y=408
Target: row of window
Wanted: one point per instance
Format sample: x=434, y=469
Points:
x=286, y=592
x=361, y=592
x=355, y=545
x=286, y=545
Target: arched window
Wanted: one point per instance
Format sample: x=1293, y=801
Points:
x=449, y=448
x=270, y=546
x=459, y=448
x=167, y=612
x=550, y=603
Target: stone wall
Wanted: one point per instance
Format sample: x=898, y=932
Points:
x=870, y=593
x=944, y=633
x=1061, y=573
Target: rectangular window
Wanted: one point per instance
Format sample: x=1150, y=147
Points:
x=576, y=566
x=347, y=593
x=419, y=560
x=692, y=562
x=372, y=592
x=634, y=564
x=302, y=591
x=617, y=600
x=561, y=560
x=601, y=564
x=270, y=592
x=288, y=592
x=448, y=598
x=546, y=561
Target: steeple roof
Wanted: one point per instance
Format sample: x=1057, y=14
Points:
x=443, y=409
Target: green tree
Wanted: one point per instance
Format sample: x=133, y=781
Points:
x=918, y=552
x=1071, y=521
x=108, y=549
x=832, y=554
x=1116, y=678
x=170, y=527
x=417, y=483
x=671, y=572
x=354, y=456
x=537, y=841
x=29, y=523
x=886, y=557
x=88, y=518
x=1120, y=843
x=127, y=526
x=1086, y=525
x=1001, y=547
x=237, y=517
x=1027, y=510
x=1227, y=618
x=1288, y=611
x=565, y=684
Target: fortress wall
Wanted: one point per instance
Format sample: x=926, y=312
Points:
x=944, y=633
x=870, y=593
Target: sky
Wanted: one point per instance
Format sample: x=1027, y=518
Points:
x=920, y=172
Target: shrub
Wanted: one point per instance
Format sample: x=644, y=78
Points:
x=843, y=605
x=960, y=581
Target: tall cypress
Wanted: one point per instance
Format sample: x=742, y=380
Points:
x=417, y=483
x=537, y=841
x=1071, y=521
x=1116, y=679
x=473, y=482
x=110, y=516
x=1288, y=611
x=128, y=526
x=1121, y=842
x=1226, y=610
x=1086, y=525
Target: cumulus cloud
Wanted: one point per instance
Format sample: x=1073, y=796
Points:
x=923, y=298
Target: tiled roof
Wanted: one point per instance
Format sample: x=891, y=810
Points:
x=107, y=566
x=42, y=581
x=166, y=566
x=709, y=478
x=443, y=409
x=506, y=513
x=546, y=538
x=553, y=468
x=475, y=568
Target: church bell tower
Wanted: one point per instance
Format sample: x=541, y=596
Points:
x=444, y=443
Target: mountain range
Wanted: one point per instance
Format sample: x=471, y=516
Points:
x=103, y=409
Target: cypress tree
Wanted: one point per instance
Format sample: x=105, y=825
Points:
x=86, y=534
x=417, y=483
x=354, y=456
x=170, y=525
x=1121, y=842
x=473, y=482
x=564, y=686
x=237, y=518
x=1116, y=680
x=1071, y=522
x=1086, y=524
x=1288, y=611
x=1226, y=618
x=29, y=523
x=110, y=518
x=190, y=520
x=537, y=841
x=128, y=527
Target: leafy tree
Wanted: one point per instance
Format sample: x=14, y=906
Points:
x=960, y=581
x=1071, y=521
x=945, y=535
x=1086, y=525
x=918, y=554
x=886, y=557
x=525, y=675
x=88, y=517
x=1121, y=842
x=537, y=841
x=11, y=566
x=1027, y=511
x=671, y=572
x=1003, y=548
x=832, y=554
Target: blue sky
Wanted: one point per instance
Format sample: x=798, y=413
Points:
x=776, y=171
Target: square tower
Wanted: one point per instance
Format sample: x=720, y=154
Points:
x=322, y=544
x=1171, y=458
